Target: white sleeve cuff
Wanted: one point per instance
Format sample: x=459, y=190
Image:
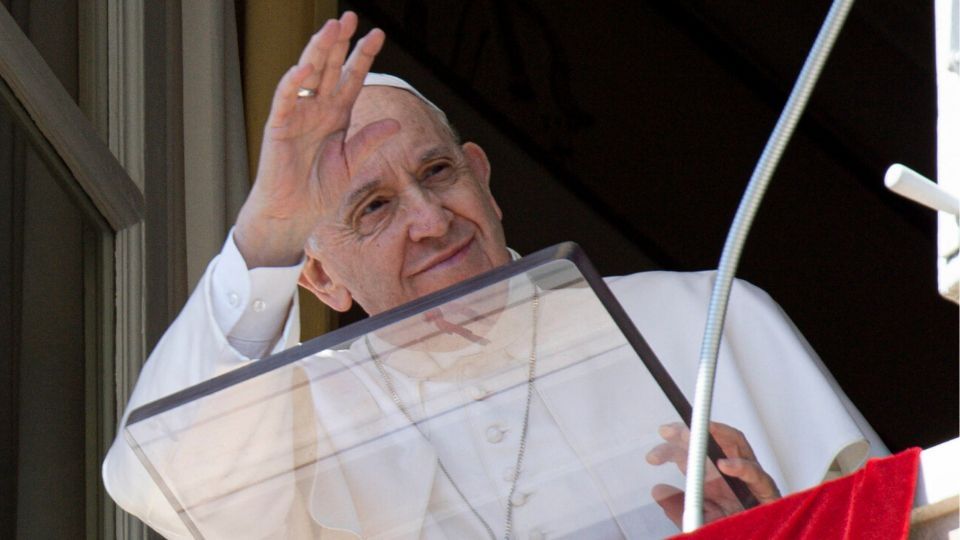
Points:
x=251, y=306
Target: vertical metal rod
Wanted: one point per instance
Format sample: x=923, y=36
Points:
x=700, y=421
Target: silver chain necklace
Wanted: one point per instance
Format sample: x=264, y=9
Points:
x=531, y=375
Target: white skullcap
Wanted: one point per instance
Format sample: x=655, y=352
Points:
x=383, y=79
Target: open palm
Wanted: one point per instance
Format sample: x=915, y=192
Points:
x=304, y=142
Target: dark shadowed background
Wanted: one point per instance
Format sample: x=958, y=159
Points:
x=633, y=127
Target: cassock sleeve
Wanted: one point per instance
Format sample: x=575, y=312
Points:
x=232, y=316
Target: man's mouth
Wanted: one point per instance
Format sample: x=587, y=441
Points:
x=447, y=258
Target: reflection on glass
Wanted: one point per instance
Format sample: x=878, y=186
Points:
x=415, y=428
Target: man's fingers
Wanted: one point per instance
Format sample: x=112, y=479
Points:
x=320, y=42
x=732, y=441
x=757, y=480
x=726, y=436
x=358, y=65
x=285, y=96
x=668, y=453
x=713, y=511
x=719, y=500
x=365, y=141
x=670, y=500
x=676, y=432
x=322, y=67
x=317, y=51
x=338, y=52
x=675, y=449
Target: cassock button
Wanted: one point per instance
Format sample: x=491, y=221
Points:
x=478, y=392
x=519, y=499
x=495, y=434
x=233, y=299
x=259, y=305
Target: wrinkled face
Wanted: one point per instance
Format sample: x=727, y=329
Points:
x=415, y=216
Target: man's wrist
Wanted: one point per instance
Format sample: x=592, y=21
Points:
x=268, y=243
x=250, y=305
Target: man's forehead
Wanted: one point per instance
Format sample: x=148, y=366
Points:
x=422, y=131
x=379, y=102
x=421, y=139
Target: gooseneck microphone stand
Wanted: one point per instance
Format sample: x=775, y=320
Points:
x=736, y=237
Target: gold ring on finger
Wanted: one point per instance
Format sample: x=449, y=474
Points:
x=306, y=92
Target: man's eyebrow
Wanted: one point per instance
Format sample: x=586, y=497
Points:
x=434, y=153
x=358, y=194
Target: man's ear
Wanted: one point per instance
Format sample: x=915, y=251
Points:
x=316, y=280
x=477, y=161
x=480, y=167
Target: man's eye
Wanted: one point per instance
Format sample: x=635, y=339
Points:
x=374, y=206
x=435, y=170
x=371, y=216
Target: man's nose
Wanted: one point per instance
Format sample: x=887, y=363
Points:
x=426, y=216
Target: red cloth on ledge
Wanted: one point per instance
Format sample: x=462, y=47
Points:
x=873, y=503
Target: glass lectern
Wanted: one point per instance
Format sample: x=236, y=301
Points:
x=519, y=403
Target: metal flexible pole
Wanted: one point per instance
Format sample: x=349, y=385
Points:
x=703, y=397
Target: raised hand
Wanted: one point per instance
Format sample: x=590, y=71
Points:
x=718, y=500
x=304, y=143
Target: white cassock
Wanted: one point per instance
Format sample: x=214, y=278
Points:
x=770, y=385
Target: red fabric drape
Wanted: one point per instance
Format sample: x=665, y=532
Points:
x=871, y=504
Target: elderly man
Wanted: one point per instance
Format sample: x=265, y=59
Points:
x=364, y=193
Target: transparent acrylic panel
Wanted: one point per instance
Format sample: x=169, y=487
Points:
x=411, y=424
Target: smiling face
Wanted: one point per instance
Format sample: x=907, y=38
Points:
x=416, y=216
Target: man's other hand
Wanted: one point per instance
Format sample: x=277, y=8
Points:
x=718, y=500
